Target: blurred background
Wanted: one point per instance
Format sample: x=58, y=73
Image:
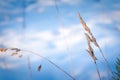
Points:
x=52, y=29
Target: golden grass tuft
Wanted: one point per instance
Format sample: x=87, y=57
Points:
x=3, y=49
x=15, y=51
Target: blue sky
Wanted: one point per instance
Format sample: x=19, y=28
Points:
x=59, y=37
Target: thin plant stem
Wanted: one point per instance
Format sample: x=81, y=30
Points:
x=17, y=50
x=4, y=62
x=97, y=70
x=29, y=67
x=67, y=46
x=106, y=61
x=50, y=62
x=24, y=19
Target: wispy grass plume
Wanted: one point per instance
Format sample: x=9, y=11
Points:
x=89, y=40
x=93, y=40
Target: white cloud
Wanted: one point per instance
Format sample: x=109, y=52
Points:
x=99, y=19
x=39, y=41
x=116, y=5
x=108, y=41
x=46, y=2
x=104, y=18
x=4, y=3
x=4, y=65
x=30, y=7
x=44, y=35
x=42, y=39
x=3, y=23
x=114, y=15
x=118, y=28
x=70, y=37
x=40, y=10
x=42, y=4
x=19, y=19
x=71, y=1
x=7, y=21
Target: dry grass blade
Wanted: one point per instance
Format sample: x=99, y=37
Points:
x=97, y=71
x=96, y=44
x=16, y=49
x=92, y=54
x=88, y=38
x=84, y=24
x=94, y=41
x=88, y=30
x=107, y=63
x=90, y=49
x=14, y=53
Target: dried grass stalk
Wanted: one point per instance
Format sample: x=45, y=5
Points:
x=107, y=63
x=4, y=62
x=3, y=49
x=64, y=36
x=88, y=38
x=14, y=53
x=92, y=54
x=90, y=49
x=16, y=49
x=84, y=24
x=94, y=41
x=29, y=67
x=97, y=71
